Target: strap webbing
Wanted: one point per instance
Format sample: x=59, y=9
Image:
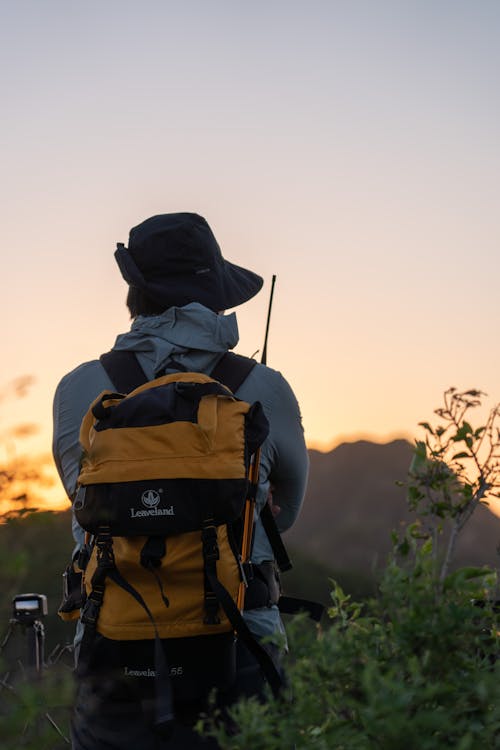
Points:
x=123, y=369
x=275, y=540
x=244, y=633
x=232, y=370
x=152, y=553
x=210, y=557
x=164, y=712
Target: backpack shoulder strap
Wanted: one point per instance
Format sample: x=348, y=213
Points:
x=123, y=369
x=126, y=373
x=232, y=370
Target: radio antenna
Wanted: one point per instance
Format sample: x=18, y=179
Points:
x=264, y=348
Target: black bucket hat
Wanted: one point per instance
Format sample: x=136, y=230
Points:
x=175, y=259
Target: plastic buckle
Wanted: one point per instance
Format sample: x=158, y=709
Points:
x=211, y=607
x=105, y=554
x=103, y=538
x=91, y=609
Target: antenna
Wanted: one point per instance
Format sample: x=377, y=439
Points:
x=264, y=348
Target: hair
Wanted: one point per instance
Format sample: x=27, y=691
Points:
x=139, y=303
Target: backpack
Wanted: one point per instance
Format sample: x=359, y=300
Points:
x=168, y=468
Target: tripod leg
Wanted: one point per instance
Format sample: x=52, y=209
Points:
x=36, y=646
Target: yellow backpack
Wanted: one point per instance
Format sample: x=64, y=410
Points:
x=165, y=476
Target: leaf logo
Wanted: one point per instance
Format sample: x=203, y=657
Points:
x=150, y=498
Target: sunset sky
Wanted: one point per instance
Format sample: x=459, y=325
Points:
x=351, y=148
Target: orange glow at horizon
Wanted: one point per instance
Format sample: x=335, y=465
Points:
x=41, y=492
x=326, y=446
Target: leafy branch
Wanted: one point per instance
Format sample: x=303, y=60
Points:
x=455, y=469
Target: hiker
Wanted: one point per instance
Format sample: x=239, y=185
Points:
x=179, y=287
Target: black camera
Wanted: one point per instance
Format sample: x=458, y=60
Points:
x=28, y=608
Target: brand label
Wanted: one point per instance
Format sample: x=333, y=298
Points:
x=134, y=513
x=148, y=672
x=139, y=672
x=151, y=499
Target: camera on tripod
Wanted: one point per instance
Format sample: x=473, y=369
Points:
x=29, y=608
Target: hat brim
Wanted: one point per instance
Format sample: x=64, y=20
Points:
x=218, y=289
x=239, y=285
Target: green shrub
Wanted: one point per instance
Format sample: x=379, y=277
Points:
x=416, y=666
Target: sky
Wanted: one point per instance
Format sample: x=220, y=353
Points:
x=352, y=149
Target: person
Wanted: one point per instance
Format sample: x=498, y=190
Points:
x=179, y=287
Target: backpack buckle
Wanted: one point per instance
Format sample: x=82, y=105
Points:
x=104, y=544
x=211, y=609
x=90, y=612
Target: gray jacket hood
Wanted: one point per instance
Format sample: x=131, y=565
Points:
x=192, y=335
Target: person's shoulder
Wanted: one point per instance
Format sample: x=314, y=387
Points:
x=265, y=383
x=82, y=375
x=267, y=374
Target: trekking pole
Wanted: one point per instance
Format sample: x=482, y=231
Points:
x=248, y=521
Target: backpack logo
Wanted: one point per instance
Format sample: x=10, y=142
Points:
x=150, y=498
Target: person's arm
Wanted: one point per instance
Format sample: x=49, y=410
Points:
x=289, y=458
x=71, y=400
x=65, y=445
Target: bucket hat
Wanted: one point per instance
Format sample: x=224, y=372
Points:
x=175, y=259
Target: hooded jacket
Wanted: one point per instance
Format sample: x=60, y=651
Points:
x=196, y=338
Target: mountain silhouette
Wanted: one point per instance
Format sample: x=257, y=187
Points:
x=353, y=502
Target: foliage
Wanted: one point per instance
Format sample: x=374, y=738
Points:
x=455, y=469
x=34, y=712
x=416, y=666
x=34, y=708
